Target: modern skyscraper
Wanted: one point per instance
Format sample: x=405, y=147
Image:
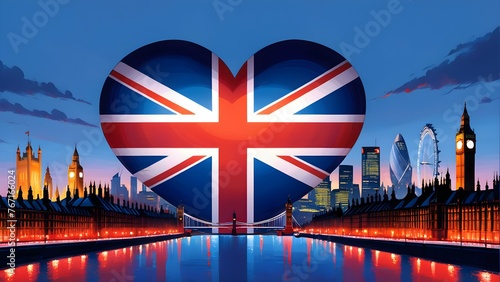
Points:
x=133, y=188
x=322, y=194
x=345, y=177
x=29, y=171
x=341, y=198
x=465, y=153
x=75, y=175
x=400, y=167
x=344, y=194
x=144, y=188
x=370, y=170
x=115, y=184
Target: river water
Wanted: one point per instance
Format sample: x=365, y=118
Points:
x=244, y=258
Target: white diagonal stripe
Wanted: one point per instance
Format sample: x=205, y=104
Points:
x=289, y=169
x=159, y=89
x=287, y=113
x=321, y=91
x=162, y=166
x=270, y=157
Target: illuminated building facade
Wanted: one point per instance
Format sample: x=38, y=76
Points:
x=322, y=194
x=370, y=170
x=399, y=166
x=29, y=170
x=345, y=177
x=437, y=214
x=341, y=198
x=95, y=215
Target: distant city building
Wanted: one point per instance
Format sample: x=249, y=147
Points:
x=149, y=198
x=303, y=210
x=75, y=175
x=133, y=188
x=400, y=167
x=345, y=177
x=465, y=153
x=370, y=170
x=115, y=184
x=332, y=197
x=382, y=189
x=440, y=213
x=341, y=198
x=354, y=193
x=144, y=187
x=29, y=171
x=322, y=194
x=123, y=193
x=47, y=182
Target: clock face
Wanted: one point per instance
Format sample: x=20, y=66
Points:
x=470, y=144
x=71, y=174
x=80, y=174
x=460, y=144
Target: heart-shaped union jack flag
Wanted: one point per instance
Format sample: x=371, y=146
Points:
x=179, y=120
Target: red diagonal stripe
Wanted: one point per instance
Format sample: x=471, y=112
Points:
x=151, y=94
x=173, y=170
x=305, y=167
x=306, y=89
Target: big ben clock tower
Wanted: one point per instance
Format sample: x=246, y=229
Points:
x=75, y=175
x=465, y=142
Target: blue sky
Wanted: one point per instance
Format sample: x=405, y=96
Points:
x=395, y=46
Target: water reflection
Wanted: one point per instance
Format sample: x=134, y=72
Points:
x=244, y=258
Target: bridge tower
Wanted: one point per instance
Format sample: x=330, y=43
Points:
x=289, y=218
x=180, y=218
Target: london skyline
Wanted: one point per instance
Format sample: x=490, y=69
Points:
x=412, y=75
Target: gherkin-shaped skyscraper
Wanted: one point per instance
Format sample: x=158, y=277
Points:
x=400, y=166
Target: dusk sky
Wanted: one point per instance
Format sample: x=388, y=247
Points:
x=419, y=62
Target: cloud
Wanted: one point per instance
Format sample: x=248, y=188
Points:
x=487, y=100
x=1, y=141
x=6, y=106
x=464, y=66
x=13, y=80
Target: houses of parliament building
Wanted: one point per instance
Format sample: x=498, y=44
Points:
x=81, y=212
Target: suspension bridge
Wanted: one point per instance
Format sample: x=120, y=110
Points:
x=277, y=222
